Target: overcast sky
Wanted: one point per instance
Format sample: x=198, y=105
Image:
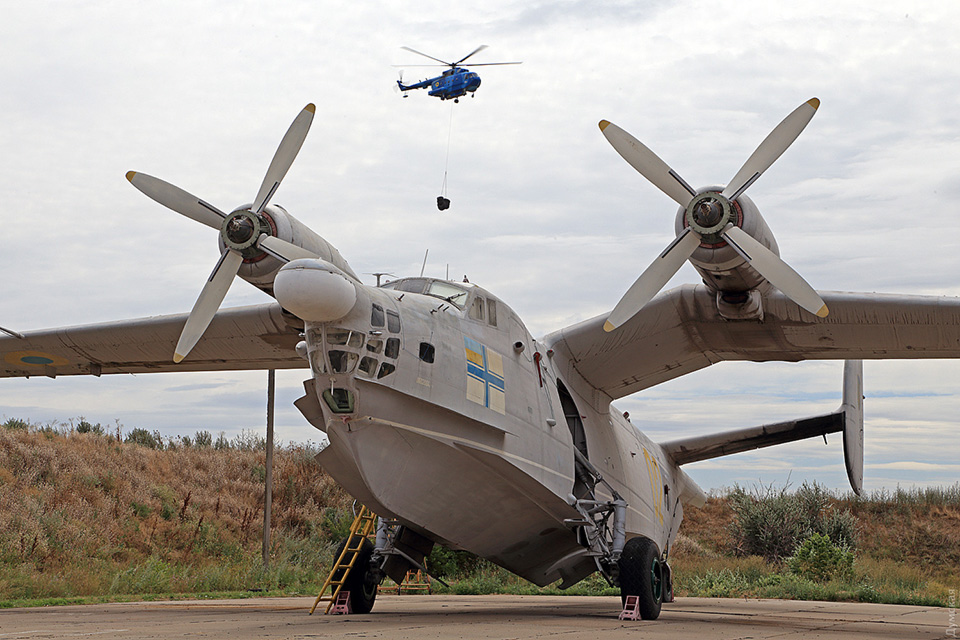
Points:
x=544, y=212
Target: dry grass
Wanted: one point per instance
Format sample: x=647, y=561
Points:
x=908, y=550
x=81, y=511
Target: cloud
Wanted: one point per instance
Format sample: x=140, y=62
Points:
x=545, y=213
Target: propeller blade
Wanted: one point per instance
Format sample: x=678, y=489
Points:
x=653, y=279
x=448, y=64
x=771, y=148
x=283, y=250
x=207, y=304
x=477, y=50
x=648, y=164
x=177, y=199
x=284, y=157
x=775, y=270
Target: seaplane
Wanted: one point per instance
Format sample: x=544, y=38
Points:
x=457, y=427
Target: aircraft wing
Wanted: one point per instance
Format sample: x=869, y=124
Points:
x=680, y=331
x=253, y=337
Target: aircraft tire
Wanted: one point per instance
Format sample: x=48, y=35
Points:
x=361, y=582
x=641, y=575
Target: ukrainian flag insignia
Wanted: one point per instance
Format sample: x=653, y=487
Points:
x=485, y=383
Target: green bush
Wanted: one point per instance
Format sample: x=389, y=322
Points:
x=16, y=424
x=819, y=559
x=145, y=439
x=85, y=427
x=771, y=522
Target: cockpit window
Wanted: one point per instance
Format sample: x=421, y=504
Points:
x=447, y=291
x=476, y=309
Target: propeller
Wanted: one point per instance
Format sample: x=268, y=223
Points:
x=709, y=213
x=242, y=231
x=444, y=63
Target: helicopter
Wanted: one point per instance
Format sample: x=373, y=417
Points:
x=453, y=83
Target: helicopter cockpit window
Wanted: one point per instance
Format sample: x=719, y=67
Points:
x=492, y=312
x=447, y=291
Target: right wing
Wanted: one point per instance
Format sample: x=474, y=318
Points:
x=242, y=338
x=680, y=331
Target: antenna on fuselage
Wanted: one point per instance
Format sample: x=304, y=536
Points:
x=424, y=267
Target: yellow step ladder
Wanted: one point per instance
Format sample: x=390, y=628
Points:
x=363, y=526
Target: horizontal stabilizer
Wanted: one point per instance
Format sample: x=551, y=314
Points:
x=847, y=419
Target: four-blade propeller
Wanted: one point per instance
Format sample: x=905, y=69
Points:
x=241, y=230
x=705, y=212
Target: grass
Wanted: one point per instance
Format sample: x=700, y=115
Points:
x=87, y=515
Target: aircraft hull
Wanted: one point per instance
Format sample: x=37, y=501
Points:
x=432, y=471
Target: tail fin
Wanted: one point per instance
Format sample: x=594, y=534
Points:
x=848, y=419
x=852, y=409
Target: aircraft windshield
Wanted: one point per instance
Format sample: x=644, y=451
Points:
x=447, y=291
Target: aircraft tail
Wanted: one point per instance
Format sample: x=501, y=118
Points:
x=847, y=419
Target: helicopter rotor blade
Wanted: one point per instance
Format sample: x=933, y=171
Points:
x=477, y=50
x=420, y=53
x=491, y=64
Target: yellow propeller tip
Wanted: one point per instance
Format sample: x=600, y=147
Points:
x=312, y=108
x=608, y=326
x=604, y=124
x=130, y=175
x=823, y=311
x=814, y=102
x=177, y=358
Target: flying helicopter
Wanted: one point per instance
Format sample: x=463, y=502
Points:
x=449, y=420
x=453, y=83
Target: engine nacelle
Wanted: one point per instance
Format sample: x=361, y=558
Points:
x=259, y=268
x=722, y=268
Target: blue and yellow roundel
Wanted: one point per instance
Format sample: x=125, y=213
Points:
x=34, y=359
x=485, y=383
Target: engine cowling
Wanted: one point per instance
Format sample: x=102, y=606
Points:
x=242, y=227
x=721, y=266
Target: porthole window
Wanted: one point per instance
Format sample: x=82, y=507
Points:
x=427, y=352
x=393, y=348
x=342, y=361
x=376, y=316
x=368, y=366
x=393, y=322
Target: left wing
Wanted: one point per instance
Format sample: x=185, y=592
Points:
x=680, y=331
x=253, y=337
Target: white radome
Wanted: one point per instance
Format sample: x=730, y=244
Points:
x=314, y=290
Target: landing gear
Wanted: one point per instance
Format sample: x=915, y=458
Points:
x=642, y=575
x=362, y=581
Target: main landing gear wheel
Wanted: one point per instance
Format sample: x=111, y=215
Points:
x=361, y=582
x=641, y=575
